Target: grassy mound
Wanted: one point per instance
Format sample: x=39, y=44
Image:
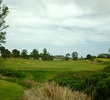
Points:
x=10, y=91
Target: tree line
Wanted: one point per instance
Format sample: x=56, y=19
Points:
x=45, y=55
x=34, y=54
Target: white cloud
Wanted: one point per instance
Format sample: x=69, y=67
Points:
x=98, y=6
x=58, y=23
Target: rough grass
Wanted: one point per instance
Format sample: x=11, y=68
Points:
x=53, y=92
x=21, y=64
x=10, y=91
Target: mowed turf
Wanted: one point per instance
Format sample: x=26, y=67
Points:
x=22, y=64
x=10, y=91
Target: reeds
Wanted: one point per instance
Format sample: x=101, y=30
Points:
x=50, y=91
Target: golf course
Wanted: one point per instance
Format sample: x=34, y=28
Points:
x=19, y=75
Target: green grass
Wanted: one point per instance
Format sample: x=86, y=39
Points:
x=41, y=71
x=21, y=64
x=10, y=91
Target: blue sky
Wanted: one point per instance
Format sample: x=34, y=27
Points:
x=61, y=26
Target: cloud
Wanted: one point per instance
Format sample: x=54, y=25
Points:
x=58, y=24
x=99, y=6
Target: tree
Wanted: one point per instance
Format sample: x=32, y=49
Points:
x=2, y=49
x=8, y=53
x=75, y=55
x=103, y=55
x=24, y=54
x=35, y=54
x=109, y=51
x=5, y=52
x=67, y=56
x=45, y=55
x=3, y=13
x=45, y=51
x=89, y=57
x=16, y=53
x=81, y=58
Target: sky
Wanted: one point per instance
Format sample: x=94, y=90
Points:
x=60, y=26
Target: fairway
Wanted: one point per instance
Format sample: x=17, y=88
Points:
x=22, y=64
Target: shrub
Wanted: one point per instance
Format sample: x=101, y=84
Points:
x=73, y=83
x=94, y=84
x=102, y=90
x=92, y=80
x=12, y=73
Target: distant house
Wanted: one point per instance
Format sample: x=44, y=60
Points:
x=58, y=57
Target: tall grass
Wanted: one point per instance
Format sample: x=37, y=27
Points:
x=52, y=91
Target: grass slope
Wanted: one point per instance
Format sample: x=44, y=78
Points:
x=10, y=91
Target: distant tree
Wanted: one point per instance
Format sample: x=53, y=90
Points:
x=16, y=53
x=24, y=54
x=81, y=58
x=45, y=55
x=3, y=13
x=109, y=51
x=75, y=55
x=67, y=56
x=5, y=52
x=35, y=54
x=89, y=57
x=45, y=51
x=104, y=55
x=2, y=50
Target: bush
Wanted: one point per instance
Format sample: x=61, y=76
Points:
x=102, y=90
x=72, y=80
x=97, y=85
x=73, y=83
x=92, y=84
x=12, y=73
